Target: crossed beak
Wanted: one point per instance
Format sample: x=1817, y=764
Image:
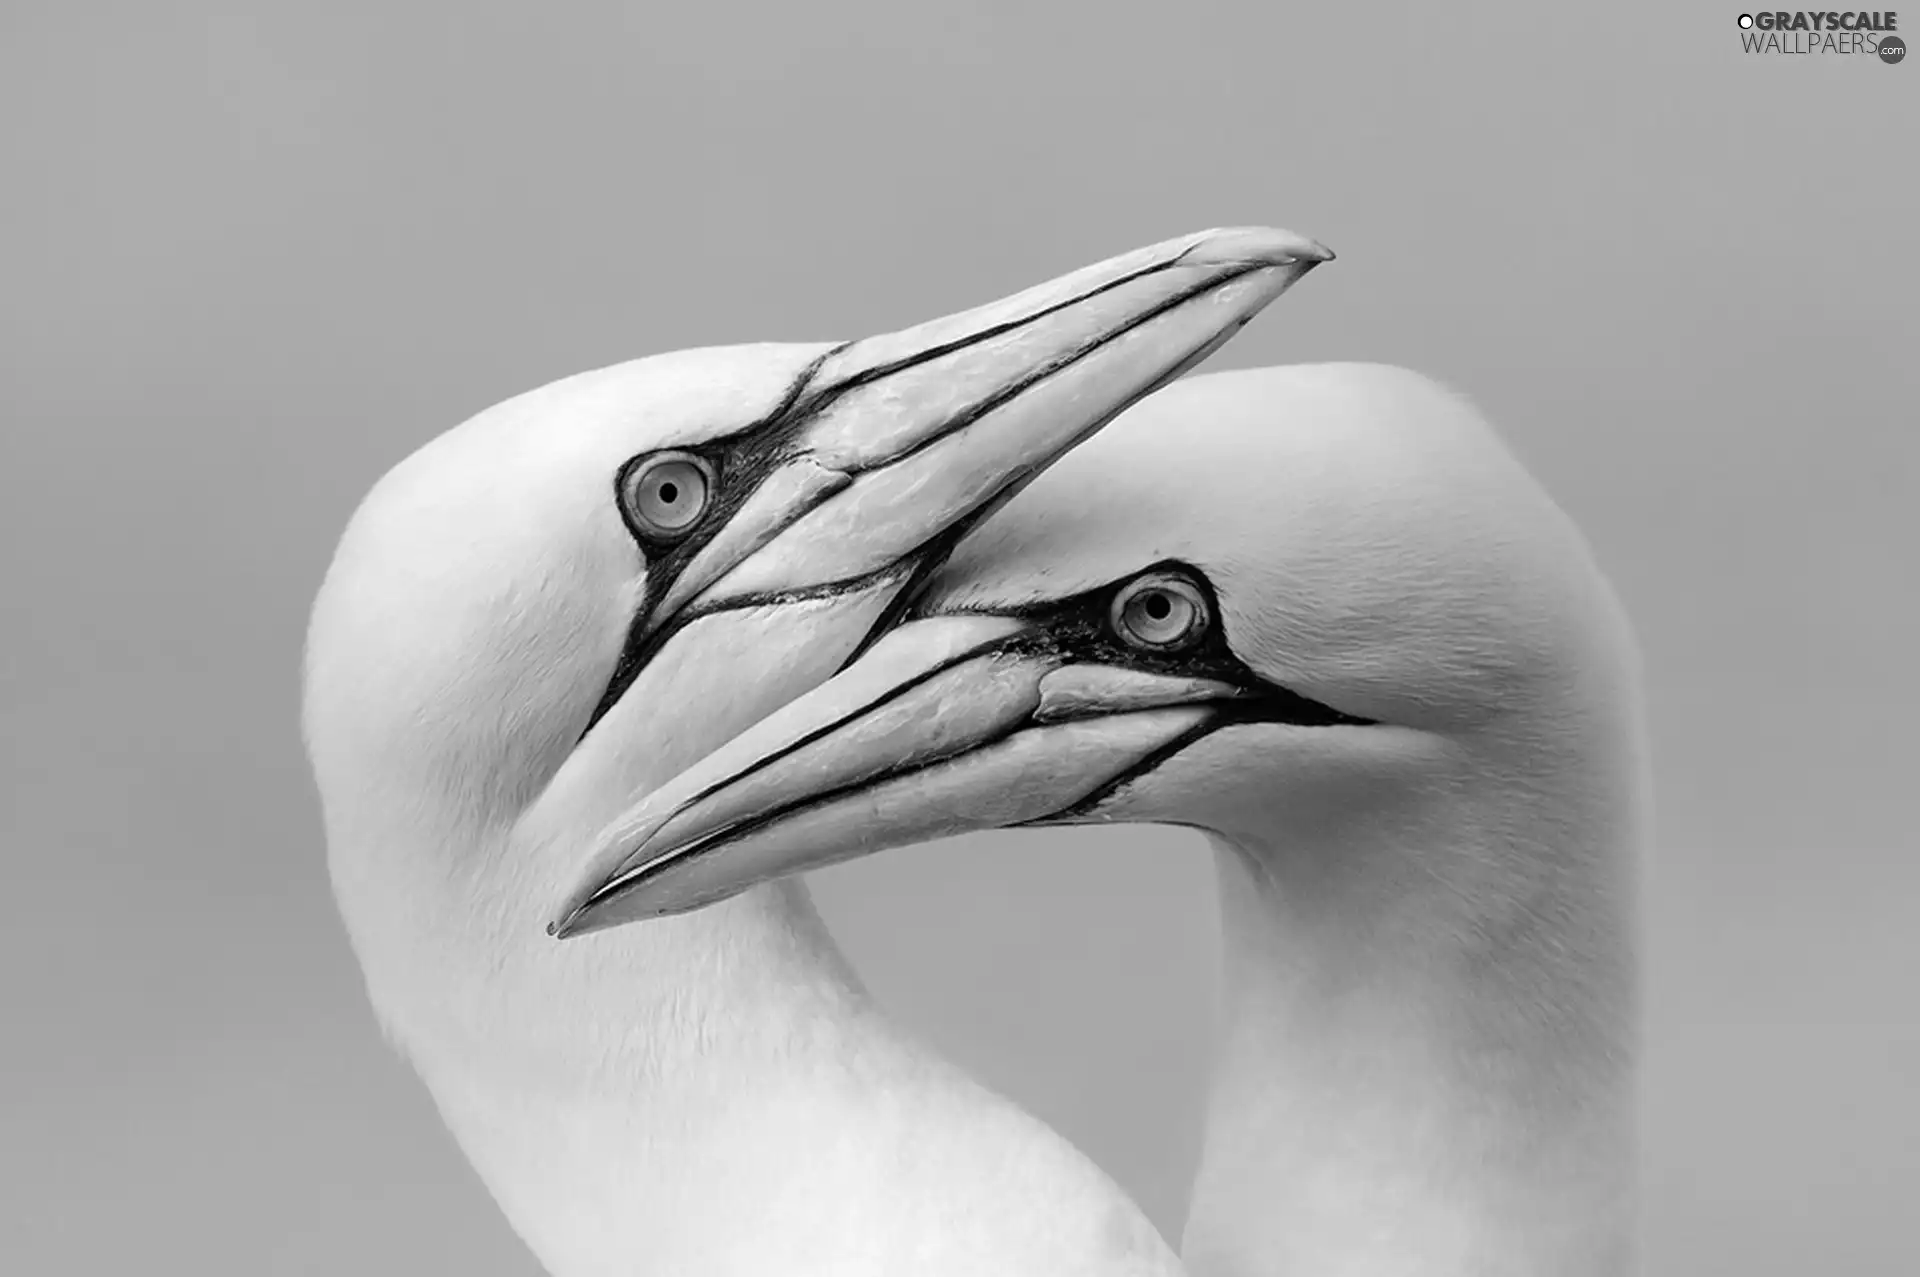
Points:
x=889, y=450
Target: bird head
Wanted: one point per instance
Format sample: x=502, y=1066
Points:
x=1259, y=602
x=583, y=590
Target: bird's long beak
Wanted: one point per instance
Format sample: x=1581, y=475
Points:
x=947, y=724
x=892, y=447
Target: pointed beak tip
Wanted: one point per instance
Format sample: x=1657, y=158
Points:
x=566, y=922
x=1258, y=246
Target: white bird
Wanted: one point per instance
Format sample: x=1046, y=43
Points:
x=582, y=591
x=1323, y=615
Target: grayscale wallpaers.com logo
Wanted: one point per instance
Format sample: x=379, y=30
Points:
x=1779, y=32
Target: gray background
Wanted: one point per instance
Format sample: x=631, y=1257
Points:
x=252, y=256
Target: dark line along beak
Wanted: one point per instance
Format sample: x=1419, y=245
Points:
x=948, y=724
x=893, y=447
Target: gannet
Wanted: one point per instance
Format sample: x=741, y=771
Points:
x=1323, y=615
x=583, y=590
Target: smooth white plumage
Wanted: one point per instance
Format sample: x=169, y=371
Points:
x=1427, y=1061
x=570, y=598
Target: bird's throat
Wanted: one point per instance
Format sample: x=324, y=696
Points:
x=714, y=1094
x=1427, y=1056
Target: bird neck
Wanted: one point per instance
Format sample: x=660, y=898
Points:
x=581, y=1079
x=1429, y=1032
x=716, y=1094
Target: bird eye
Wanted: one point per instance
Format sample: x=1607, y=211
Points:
x=666, y=495
x=1159, y=612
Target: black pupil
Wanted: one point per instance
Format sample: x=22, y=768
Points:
x=669, y=492
x=1158, y=606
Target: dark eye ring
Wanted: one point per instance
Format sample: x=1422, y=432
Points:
x=1160, y=613
x=665, y=495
